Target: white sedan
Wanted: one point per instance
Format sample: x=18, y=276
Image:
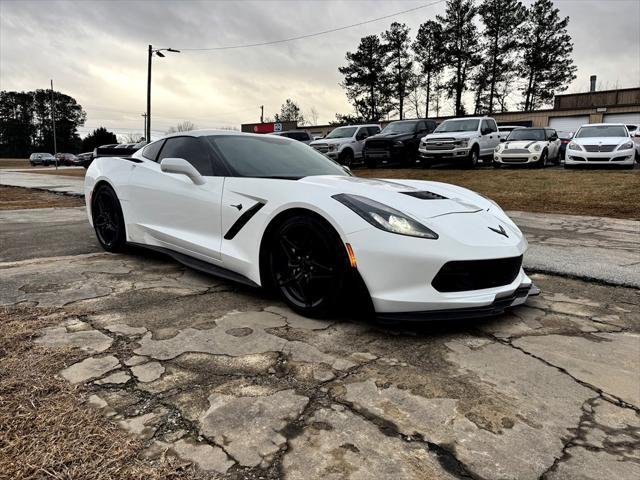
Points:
x=601, y=144
x=528, y=146
x=270, y=211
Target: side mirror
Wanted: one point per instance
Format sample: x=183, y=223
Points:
x=502, y=139
x=485, y=131
x=361, y=136
x=182, y=167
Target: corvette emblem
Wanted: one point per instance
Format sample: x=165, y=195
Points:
x=500, y=230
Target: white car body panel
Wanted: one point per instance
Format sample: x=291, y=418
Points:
x=169, y=211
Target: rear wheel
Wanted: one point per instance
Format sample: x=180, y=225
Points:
x=307, y=265
x=108, y=221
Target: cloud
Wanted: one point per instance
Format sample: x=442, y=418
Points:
x=96, y=51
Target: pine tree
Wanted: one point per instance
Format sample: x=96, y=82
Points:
x=100, y=136
x=460, y=45
x=400, y=65
x=366, y=81
x=502, y=20
x=289, y=112
x=546, y=66
x=430, y=57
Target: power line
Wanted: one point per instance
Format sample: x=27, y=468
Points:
x=316, y=34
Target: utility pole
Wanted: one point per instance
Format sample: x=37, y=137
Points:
x=145, y=126
x=261, y=113
x=147, y=130
x=53, y=123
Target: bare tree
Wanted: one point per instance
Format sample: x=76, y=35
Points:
x=313, y=114
x=132, y=137
x=184, y=126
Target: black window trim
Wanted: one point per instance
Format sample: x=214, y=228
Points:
x=162, y=141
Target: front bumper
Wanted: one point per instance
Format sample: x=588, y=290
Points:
x=455, y=153
x=617, y=157
x=398, y=270
x=516, y=158
x=499, y=305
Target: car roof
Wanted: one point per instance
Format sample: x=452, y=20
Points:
x=604, y=125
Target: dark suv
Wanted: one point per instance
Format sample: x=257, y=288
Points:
x=397, y=143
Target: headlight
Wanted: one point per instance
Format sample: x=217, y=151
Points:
x=333, y=147
x=625, y=146
x=498, y=147
x=536, y=147
x=463, y=142
x=385, y=218
x=574, y=146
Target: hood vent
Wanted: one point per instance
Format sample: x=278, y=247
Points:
x=424, y=195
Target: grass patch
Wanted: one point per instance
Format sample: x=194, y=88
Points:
x=46, y=429
x=602, y=193
x=14, y=198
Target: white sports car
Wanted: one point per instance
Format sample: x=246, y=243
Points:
x=528, y=146
x=270, y=211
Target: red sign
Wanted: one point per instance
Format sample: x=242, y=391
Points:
x=267, y=127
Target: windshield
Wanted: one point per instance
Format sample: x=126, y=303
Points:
x=602, y=131
x=457, y=126
x=399, y=127
x=526, y=134
x=272, y=157
x=342, y=132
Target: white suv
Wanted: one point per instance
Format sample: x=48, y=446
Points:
x=462, y=140
x=344, y=144
x=601, y=144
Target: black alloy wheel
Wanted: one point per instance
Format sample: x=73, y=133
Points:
x=108, y=221
x=307, y=263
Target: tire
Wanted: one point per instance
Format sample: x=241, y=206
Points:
x=108, y=221
x=346, y=157
x=497, y=165
x=542, y=162
x=307, y=265
x=473, y=158
x=371, y=163
x=569, y=167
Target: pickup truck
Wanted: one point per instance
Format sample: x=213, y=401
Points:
x=397, y=143
x=344, y=144
x=460, y=140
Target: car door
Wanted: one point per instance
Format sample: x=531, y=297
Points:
x=168, y=209
x=361, y=135
x=554, y=143
x=485, y=144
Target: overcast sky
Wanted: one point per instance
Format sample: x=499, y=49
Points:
x=96, y=51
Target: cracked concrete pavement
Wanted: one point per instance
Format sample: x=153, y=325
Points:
x=227, y=378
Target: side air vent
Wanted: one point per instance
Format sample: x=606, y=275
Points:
x=425, y=195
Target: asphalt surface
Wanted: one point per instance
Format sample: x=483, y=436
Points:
x=229, y=379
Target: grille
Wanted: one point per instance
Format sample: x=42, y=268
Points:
x=465, y=275
x=597, y=159
x=516, y=150
x=322, y=147
x=432, y=146
x=425, y=195
x=378, y=144
x=599, y=148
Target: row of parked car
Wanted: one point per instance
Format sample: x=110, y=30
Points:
x=467, y=141
x=85, y=159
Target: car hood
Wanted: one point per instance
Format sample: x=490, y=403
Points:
x=331, y=141
x=602, y=140
x=523, y=143
x=452, y=135
x=408, y=196
x=420, y=200
x=391, y=136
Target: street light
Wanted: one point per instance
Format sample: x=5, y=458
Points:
x=158, y=52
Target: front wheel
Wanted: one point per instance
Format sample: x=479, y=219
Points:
x=108, y=221
x=472, y=159
x=497, y=165
x=346, y=158
x=308, y=264
x=542, y=162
